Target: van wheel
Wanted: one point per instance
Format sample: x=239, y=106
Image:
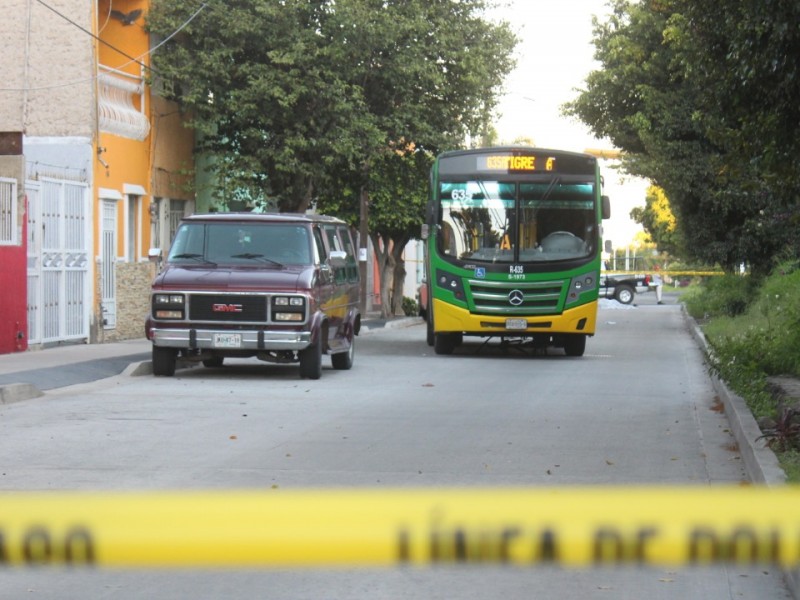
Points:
x=164, y=360
x=344, y=360
x=575, y=345
x=213, y=362
x=311, y=361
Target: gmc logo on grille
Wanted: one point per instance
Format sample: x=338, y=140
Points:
x=236, y=308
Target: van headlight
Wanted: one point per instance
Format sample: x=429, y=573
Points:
x=289, y=309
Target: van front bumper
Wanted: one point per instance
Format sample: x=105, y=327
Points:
x=226, y=339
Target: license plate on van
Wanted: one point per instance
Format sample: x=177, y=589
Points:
x=227, y=340
x=516, y=324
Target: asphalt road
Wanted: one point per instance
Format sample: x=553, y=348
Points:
x=638, y=408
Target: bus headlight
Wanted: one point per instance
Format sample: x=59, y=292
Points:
x=451, y=283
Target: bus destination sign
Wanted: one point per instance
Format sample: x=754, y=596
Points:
x=516, y=163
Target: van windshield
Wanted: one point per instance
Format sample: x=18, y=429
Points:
x=274, y=244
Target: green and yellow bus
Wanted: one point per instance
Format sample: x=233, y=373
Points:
x=513, y=247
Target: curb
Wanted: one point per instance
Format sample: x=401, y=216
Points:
x=760, y=462
x=392, y=324
x=17, y=392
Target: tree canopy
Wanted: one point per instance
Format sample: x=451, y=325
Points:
x=701, y=97
x=295, y=91
x=336, y=102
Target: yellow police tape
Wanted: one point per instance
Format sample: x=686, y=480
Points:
x=572, y=526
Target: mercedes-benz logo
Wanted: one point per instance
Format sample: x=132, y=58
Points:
x=516, y=297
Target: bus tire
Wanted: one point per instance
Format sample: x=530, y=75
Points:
x=164, y=360
x=575, y=344
x=444, y=343
x=430, y=337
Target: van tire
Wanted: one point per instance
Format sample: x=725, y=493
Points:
x=164, y=360
x=311, y=361
x=344, y=360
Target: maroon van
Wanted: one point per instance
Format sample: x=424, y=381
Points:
x=280, y=287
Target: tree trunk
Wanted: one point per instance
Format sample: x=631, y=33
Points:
x=399, y=273
x=385, y=263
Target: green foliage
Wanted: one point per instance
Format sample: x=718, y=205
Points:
x=721, y=296
x=410, y=307
x=783, y=432
x=297, y=92
x=762, y=340
x=657, y=220
x=702, y=99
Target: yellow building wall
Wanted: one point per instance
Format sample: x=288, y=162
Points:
x=159, y=166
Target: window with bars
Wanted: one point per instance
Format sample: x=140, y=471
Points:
x=8, y=212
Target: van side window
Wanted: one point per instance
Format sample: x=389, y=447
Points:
x=352, y=263
x=335, y=245
x=319, y=247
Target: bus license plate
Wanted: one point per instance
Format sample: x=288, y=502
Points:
x=516, y=324
x=227, y=340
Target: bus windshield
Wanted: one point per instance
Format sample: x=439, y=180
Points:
x=548, y=219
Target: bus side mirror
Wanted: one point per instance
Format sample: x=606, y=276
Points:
x=606, y=207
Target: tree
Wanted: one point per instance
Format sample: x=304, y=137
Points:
x=658, y=221
x=313, y=94
x=267, y=91
x=676, y=93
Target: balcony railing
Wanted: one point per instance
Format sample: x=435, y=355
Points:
x=119, y=94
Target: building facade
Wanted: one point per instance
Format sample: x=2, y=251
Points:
x=95, y=169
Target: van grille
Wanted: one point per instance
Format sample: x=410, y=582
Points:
x=227, y=307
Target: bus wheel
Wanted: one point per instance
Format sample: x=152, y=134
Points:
x=444, y=343
x=575, y=345
x=429, y=331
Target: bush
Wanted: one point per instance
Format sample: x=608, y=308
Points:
x=721, y=296
x=748, y=346
x=410, y=307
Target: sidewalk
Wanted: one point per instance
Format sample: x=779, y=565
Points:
x=25, y=375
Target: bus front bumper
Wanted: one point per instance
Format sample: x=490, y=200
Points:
x=449, y=318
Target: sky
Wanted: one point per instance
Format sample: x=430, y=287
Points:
x=554, y=55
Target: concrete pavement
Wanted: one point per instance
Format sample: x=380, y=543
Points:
x=26, y=375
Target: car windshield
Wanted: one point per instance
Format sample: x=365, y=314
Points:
x=271, y=244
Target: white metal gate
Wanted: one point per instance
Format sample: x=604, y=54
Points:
x=59, y=292
x=108, y=277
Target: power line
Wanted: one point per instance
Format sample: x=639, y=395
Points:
x=132, y=59
x=86, y=31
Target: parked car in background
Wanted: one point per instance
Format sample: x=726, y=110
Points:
x=623, y=287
